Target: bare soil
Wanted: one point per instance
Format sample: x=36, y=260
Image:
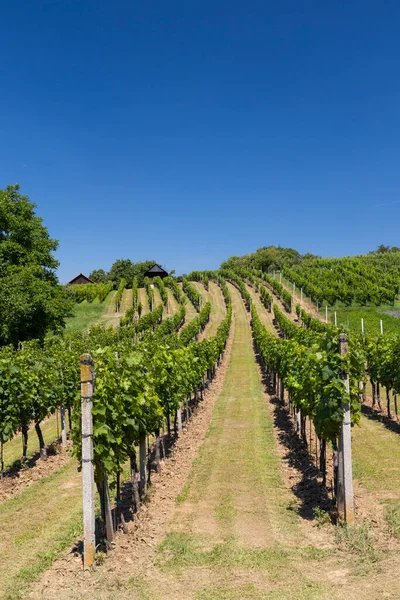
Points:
x=16, y=480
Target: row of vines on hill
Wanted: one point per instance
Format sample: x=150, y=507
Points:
x=36, y=379
x=360, y=280
x=377, y=359
x=140, y=388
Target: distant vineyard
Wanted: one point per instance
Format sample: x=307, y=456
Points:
x=366, y=279
x=89, y=291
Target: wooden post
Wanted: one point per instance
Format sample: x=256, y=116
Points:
x=142, y=464
x=345, y=495
x=89, y=542
x=63, y=426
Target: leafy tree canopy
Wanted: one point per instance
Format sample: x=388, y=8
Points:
x=24, y=240
x=268, y=257
x=31, y=301
x=382, y=249
x=123, y=269
x=99, y=276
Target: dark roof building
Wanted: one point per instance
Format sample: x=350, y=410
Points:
x=156, y=271
x=81, y=278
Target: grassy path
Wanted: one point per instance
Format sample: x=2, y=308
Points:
x=127, y=301
x=191, y=312
x=36, y=525
x=232, y=536
x=218, y=308
x=265, y=317
x=157, y=297
x=85, y=314
x=376, y=464
x=172, y=303
x=142, y=297
x=110, y=317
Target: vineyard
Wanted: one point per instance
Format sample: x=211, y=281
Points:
x=223, y=437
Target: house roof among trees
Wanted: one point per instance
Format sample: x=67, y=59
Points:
x=156, y=270
x=81, y=278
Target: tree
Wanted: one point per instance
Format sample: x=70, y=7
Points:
x=31, y=300
x=382, y=249
x=123, y=268
x=24, y=240
x=266, y=258
x=99, y=276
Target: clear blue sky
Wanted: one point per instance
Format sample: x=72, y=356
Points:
x=191, y=131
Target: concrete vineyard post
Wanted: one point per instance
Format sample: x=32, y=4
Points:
x=89, y=542
x=142, y=461
x=335, y=319
x=179, y=420
x=63, y=426
x=381, y=326
x=326, y=314
x=108, y=513
x=345, y=495
x=280, y=277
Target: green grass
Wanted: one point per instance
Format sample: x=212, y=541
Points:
x=376, y=464
x=392, y=516
x=84, y=315
x=231, y=515
x=252, y=592
x=183, y=550
x=351, y=317
x=13, y=448
x=37, y=525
